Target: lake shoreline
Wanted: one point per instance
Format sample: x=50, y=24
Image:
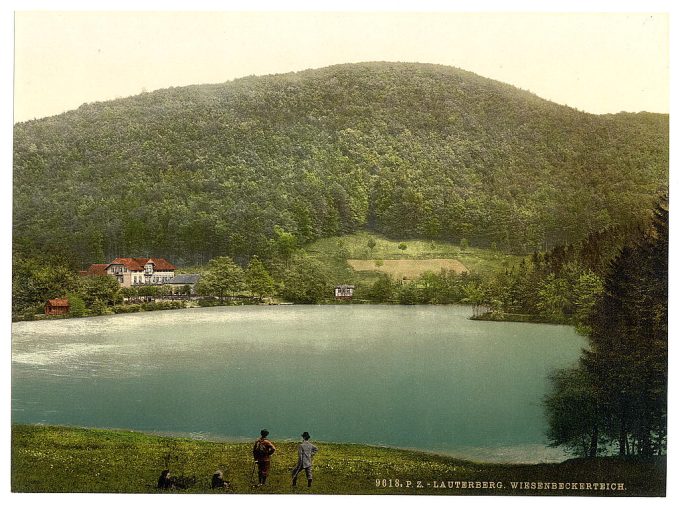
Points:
x=227, y=304
x=515, y=318
x=86, y=460
x=485, y=317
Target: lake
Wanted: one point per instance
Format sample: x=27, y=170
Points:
x=422, y=377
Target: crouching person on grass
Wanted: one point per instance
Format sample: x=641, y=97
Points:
x=306, y=451
x=165, y=482
x=218, y=481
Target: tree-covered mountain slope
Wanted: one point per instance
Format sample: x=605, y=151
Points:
x=413, y=150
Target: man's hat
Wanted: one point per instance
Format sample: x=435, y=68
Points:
x=264, y=432
x=305, y=435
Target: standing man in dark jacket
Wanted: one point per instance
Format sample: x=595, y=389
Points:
x=306, y=451
x=262, y=453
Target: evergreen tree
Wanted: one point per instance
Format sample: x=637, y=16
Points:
x=619, y=390
x=574, y=418
x=627, y=360
x=587, y=290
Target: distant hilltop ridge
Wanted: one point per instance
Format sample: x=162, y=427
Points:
x=408, y=150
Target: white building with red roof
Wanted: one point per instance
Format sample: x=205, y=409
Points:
x=136, y=271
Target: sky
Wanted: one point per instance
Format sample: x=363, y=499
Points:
x=596, y=62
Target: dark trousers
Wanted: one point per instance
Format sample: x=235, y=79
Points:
x=263, y=470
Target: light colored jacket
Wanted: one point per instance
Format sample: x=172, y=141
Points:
x=306, y=451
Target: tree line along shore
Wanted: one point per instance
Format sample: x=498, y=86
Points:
x=557, y=286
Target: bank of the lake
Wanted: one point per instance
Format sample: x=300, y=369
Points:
x=62, y=459
x=515, y=317
x=171, y=305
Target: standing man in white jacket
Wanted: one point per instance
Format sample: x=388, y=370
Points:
x=306, y=451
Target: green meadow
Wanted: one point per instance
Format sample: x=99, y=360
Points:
x=334, y=253
x=77, y=460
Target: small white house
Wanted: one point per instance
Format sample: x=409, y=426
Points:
x=344, y=291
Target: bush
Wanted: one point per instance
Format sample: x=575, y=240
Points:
x=307, y=282
x=25, y=316
x=147, y=306
x=408, y=294
x=98, y=307
x=383, y=289
x=163, y=305
x=77, y=306
x=210, y=302
x=126, y=308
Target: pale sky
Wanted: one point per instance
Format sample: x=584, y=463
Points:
x=600, y=63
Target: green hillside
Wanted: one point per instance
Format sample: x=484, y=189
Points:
x=404, y=150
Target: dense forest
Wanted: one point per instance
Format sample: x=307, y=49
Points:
x=406, y=150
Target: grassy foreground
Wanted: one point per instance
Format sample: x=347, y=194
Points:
x=59, y=459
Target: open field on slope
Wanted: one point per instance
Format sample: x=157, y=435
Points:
x=407, y=269
x=349, y=258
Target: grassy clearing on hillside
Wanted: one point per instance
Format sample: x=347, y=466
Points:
x=407, y=269
x=58, y=459
x=334, y=253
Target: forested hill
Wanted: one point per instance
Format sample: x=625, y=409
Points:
x=409, y=150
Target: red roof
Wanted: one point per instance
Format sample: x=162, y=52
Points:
x=137, y=264
x=130, y=263
x=58, y=303
x=161, y=264
x=96, y=269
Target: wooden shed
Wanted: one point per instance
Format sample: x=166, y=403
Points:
x=57, y=307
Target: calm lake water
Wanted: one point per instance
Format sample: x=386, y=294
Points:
x=422, y=377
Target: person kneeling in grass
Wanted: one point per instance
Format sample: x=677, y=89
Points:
x=306, y=451
x=218, y=481
x=165, y=482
